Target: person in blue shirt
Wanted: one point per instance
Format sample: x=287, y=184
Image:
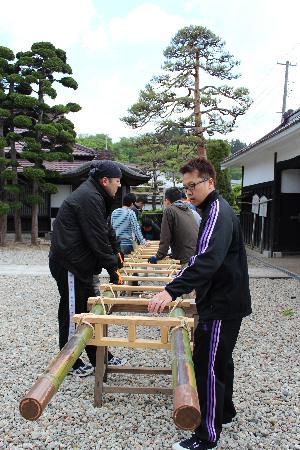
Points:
x=126, y=226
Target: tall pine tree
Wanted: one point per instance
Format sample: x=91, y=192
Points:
x=185, y=96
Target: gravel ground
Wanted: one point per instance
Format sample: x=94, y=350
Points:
x=266, y=389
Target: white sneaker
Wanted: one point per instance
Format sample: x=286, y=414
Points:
x=83, y=371
x=115, y=361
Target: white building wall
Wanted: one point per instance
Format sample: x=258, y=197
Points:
x=259, y=170
x=64, y=190
x=290, y=181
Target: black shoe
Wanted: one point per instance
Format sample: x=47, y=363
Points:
x=193, y=443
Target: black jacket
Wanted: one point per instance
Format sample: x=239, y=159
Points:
x=218, y=272
x=83, y=241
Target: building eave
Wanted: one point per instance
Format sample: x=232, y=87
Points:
x=239, y=158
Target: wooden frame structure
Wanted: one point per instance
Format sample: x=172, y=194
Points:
x=92, y=329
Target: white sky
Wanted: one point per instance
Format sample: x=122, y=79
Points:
x=115, y=48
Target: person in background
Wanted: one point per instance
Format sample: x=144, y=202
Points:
x=82, y=244
x=126, y=226
x=179, y=230
x=138, y=206
x=192, y=207
x=150, y=229
x=218, y=272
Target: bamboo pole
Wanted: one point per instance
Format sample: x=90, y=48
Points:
x=35, y=401
x=186, y=409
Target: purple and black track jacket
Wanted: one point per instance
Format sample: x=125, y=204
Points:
x=218, y=272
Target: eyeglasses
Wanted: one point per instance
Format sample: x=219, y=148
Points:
x=191, y=187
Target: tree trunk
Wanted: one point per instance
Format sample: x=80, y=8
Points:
x=3, y=230
x=16, y=196
x=197, y=110
x=34, y=216
x=155, y=189
x=18, y=224
x=3, y=196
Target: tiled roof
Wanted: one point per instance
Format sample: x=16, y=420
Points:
x=80, y=167
x=290, y=121
x=79, y=150
x=59, y=166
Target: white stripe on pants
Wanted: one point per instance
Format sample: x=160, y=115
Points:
x=71, y=288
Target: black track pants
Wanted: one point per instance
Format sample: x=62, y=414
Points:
x=74, y=294
x=214, y=342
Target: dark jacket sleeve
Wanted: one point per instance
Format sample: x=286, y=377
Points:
x=95, y=229
x=165, y=234
x=214, y=243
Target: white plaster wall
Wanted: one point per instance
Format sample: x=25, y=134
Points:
x=64, y=190
x=290, y=181
x=259, y=170
x=289, y=151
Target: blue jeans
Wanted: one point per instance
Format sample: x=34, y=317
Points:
x=126, y=248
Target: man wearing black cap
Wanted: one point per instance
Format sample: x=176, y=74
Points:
x=83, y=242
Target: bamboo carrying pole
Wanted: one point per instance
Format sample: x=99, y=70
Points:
x=186, y=409
x=35, y=401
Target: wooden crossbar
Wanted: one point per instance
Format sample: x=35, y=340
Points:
x=153, y=266
x=157, y=271
x=142, y=257
x=157, y=279
x=102, y=322
x=186, y=303
x=124, y=287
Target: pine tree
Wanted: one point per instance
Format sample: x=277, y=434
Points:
x=47, y=134
x=179, y=97
x=217, y=151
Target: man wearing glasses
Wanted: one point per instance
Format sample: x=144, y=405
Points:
x=218, y=273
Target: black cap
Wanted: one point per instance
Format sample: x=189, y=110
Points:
x=105, y=168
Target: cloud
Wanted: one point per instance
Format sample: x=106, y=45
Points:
x=63, y=22
x=146, y=23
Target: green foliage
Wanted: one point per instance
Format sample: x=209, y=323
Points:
x=22, y=121
x=217, y=151
x=3, y=142
x=49, y=187
x=32, y=144
x=235, y=173
x=237, y=145
x=237, y=191
x=14, y=205
x=4, y=113
x=33, y=173
x=59, y=109
x=4, y=208
x=33, y=200
x=73, y=107
x=23, y=101
x=58, y=156
x=4, y=161
x=6, y=53
x=288, y=312
x=47, y=130
x=12, y=188
x=12, y=137
x=95, y=141
x=176, y=100
x=7, y=174
x=69, y=82
x=25, y=85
